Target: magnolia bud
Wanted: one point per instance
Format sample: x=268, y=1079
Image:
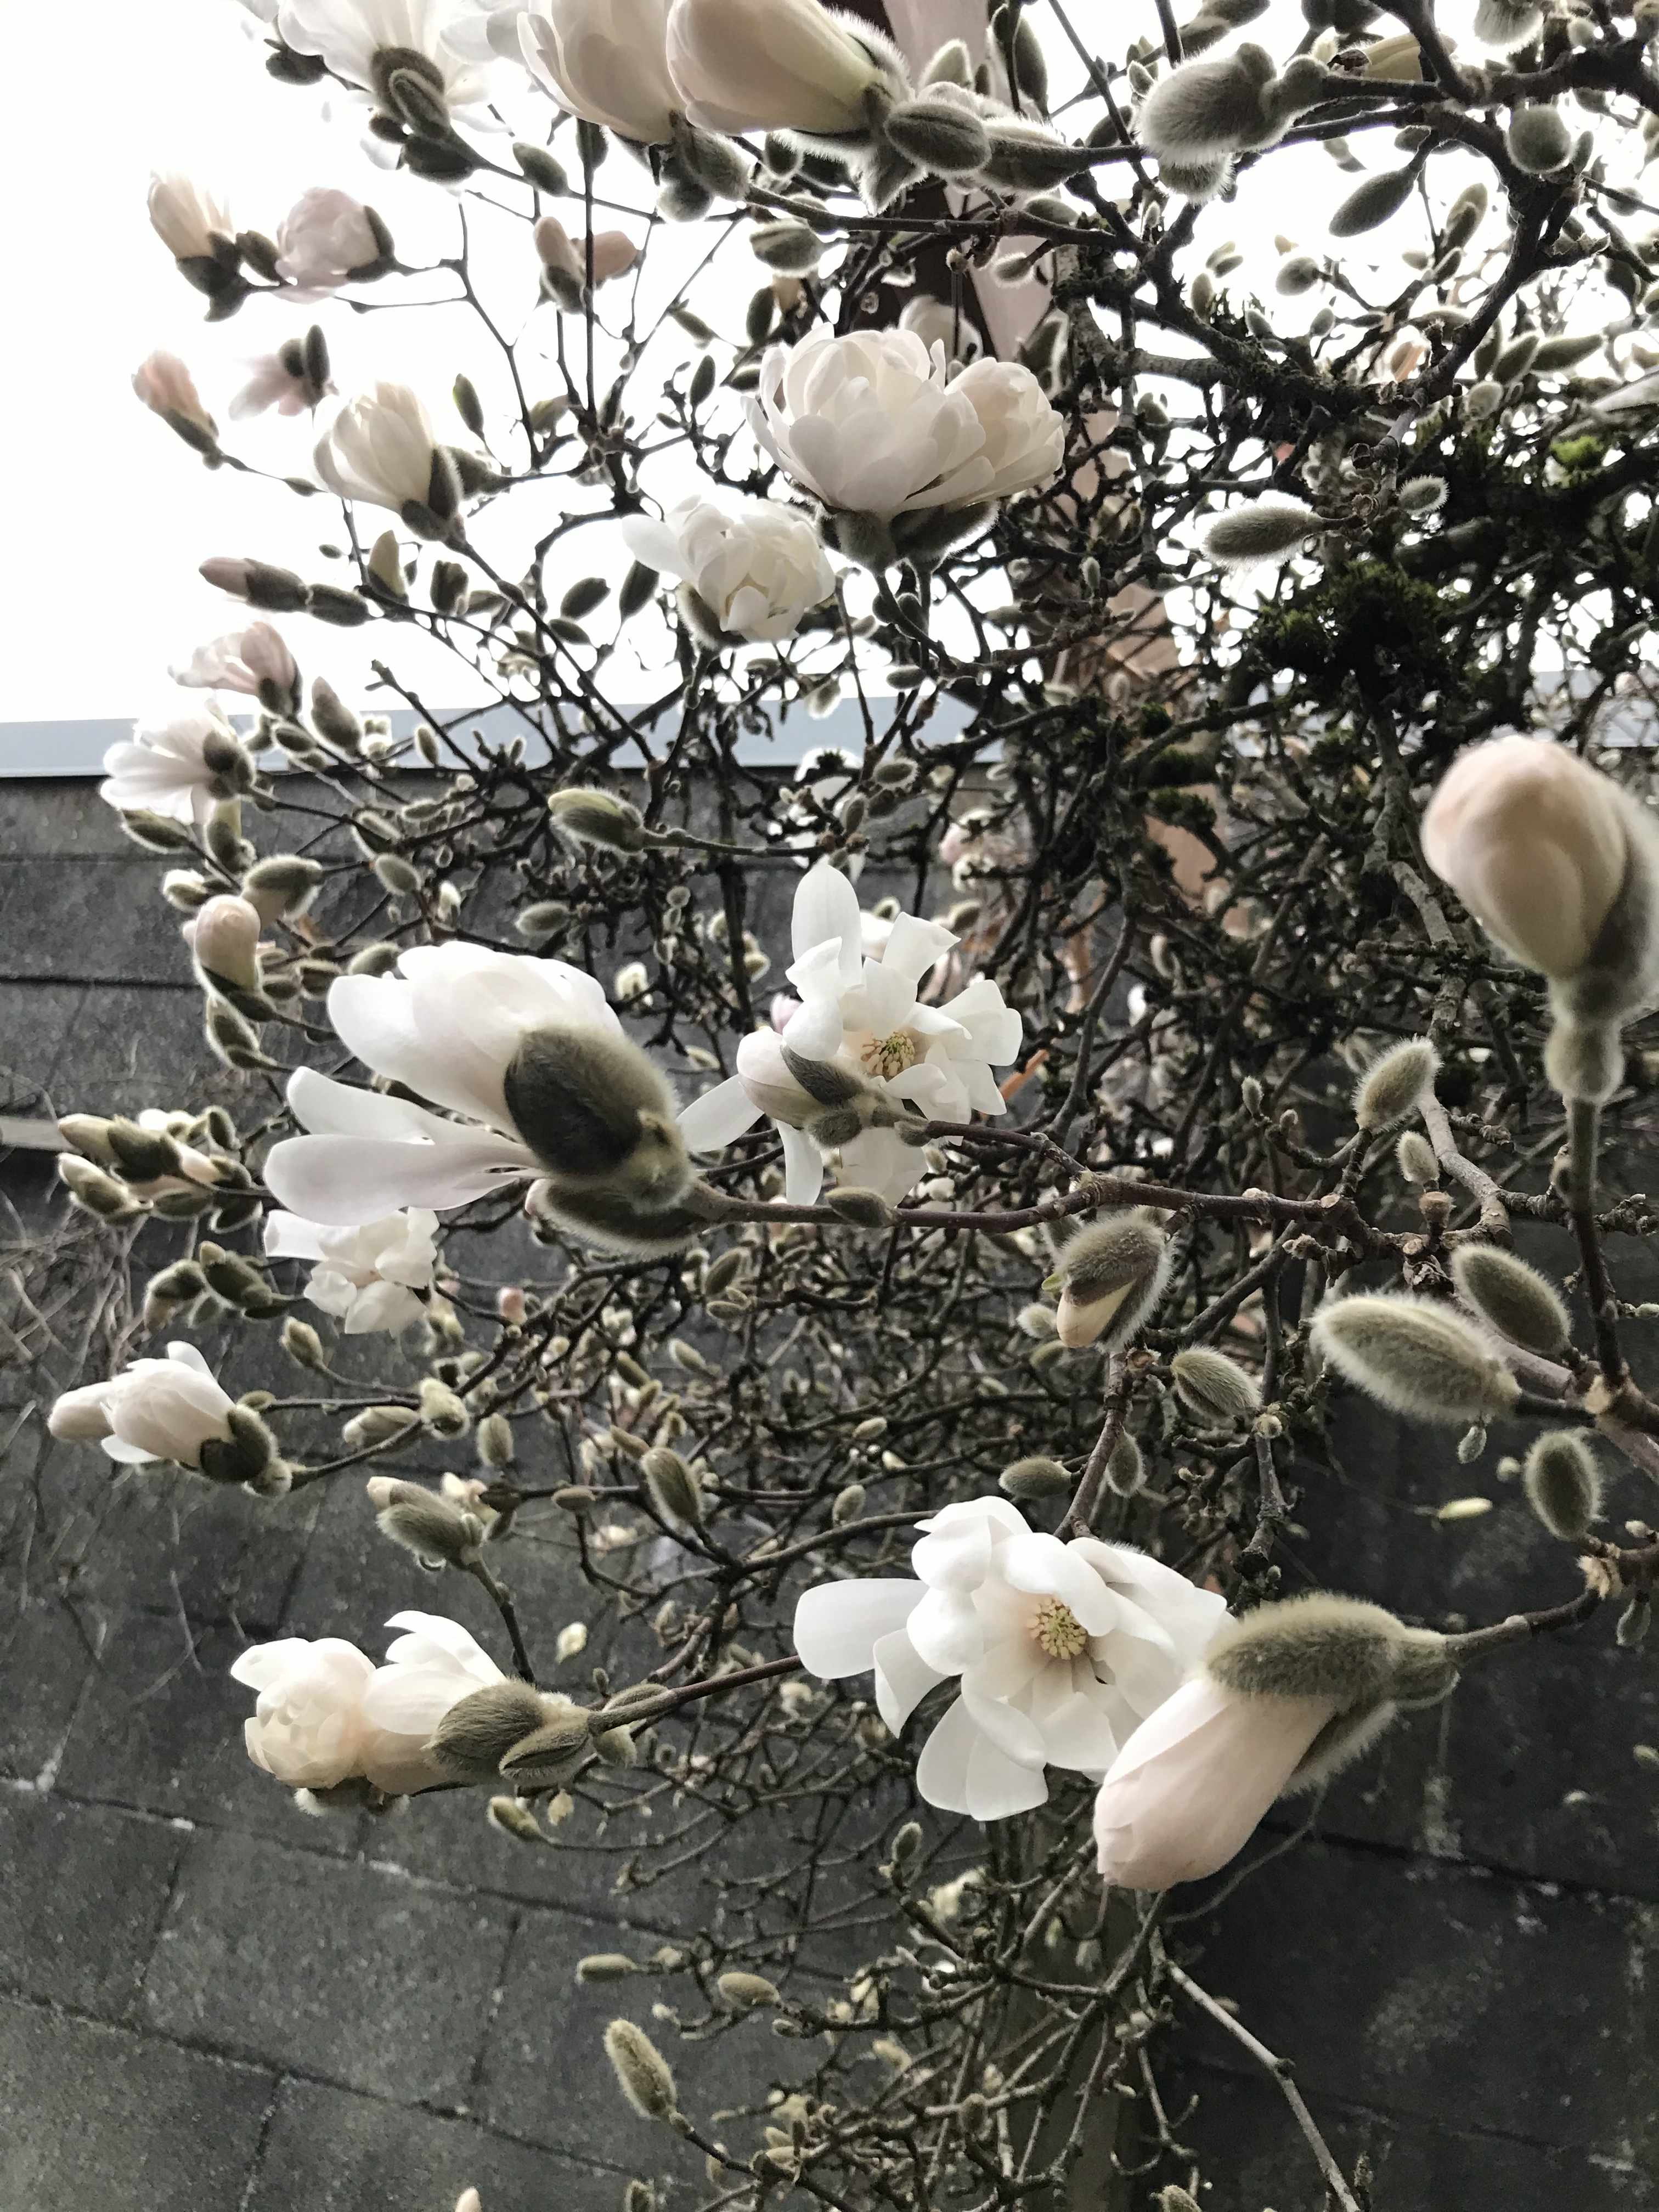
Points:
x=1417, y=1357
x=441, y=1410
x=1031, y=1480
x=939, y=135
x=1538, y=139
x=437, y=1533
x=495, y=1440
x=1126, y=1471
x=303, y=1345
x=224, y=940
x=1563, y=1484
x=476, y=1734
x=281, y=887
x=594, y=817
x=605, y=1966
x=1518, y=1302
x=1355, y=1657
x=864, y=1209
x=672, y=1486
x=1206, y=109
x=1506, y=24
x=1392, y=1085
x=1414, y=1156
x=1213, y=1387
x=1266, y=530
x=597, y=1115
x=377, y=1425
x=548, y=1749
x=745, y=1990
x=1114, y=1272
x=1373, y=202
x=516, y=1819
x=642, y=2072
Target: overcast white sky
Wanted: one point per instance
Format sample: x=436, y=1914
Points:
x=108, y=515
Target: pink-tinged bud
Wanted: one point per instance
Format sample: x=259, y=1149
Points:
x=510, y=1305
x=1535, y=845
x=226, y=573
x=168, y=388
x=553, y=244
x=254, y=661
x=225, y=940
x=1186, y=1792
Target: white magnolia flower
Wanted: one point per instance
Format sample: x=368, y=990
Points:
x=1059, y=1650
x=757, y=567
x=1186, y=1791
x=379, y=447
x=603, y=60
x=875, y=424
x=778, y=65
x=322, y=239
x=186, y=218
x=254, y=661
x=178, y=768
x=155, y=1409
x=368, y=1277
x=447, y=1025
x=279, y=380
x=352, y=37
x=326, y=1714
x=1533, y=841
x=863, y=1015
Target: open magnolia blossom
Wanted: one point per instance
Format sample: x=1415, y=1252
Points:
x=324, y=237
x=180, y=768
x=604, y=60
x=877, y=423
x=1059, y=1650
x=156, y=1409
x=367, y=1277
x=448, y=1025
x=757, y=567
x=1184, y=1795
x=327, y=1715
x=379, y=447
x=365, y=41
x=866, y=1016
x=254, y=661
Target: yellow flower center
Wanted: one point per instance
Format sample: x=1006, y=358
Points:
x=1058, y=1630
x=890, y=1055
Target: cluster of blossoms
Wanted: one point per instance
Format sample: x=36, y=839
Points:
x=1007, y=1180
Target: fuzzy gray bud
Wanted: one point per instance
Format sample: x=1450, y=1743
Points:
x=1213, y=1387
x=1506, y=24
x=1414, y=1156
x=642, y=2073
x=479, y=1731
x=939, y=135
x=672, y=1486
x=1416, y=1358
x=1520, y=1303
x=436, y=1532
x=1205, y=109
x=1563, y=1484
x=1113, y=1273
x=1392, y=1084
x=1126, y=1470
x=1538, y=139
x=495, y=1440
x=546, y=1750
x=747, y=1991
x=597, y=1114
x=1266, y=530
x=1373, y=202
x=1033, y=1480
x=595, y=817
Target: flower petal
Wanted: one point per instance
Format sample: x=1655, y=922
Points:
x=837, y=1625
x=903, y=1679
x=827, y=910
x=720, y=1114
x=960, y=1771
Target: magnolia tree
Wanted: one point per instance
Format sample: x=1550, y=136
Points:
x=904, y=1223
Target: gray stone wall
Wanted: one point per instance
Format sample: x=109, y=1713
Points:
x=208, y=1999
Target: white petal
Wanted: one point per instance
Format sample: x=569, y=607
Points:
x=837, y=1624
x=718, y=1116
x=346, y=1181
x=803, y=1166
x=1045, y=1566
x=913, y=946
x=902, y=1679
x=1012, y=1732
x=961, y=1771
x=827, y=909
x=946, y=1631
